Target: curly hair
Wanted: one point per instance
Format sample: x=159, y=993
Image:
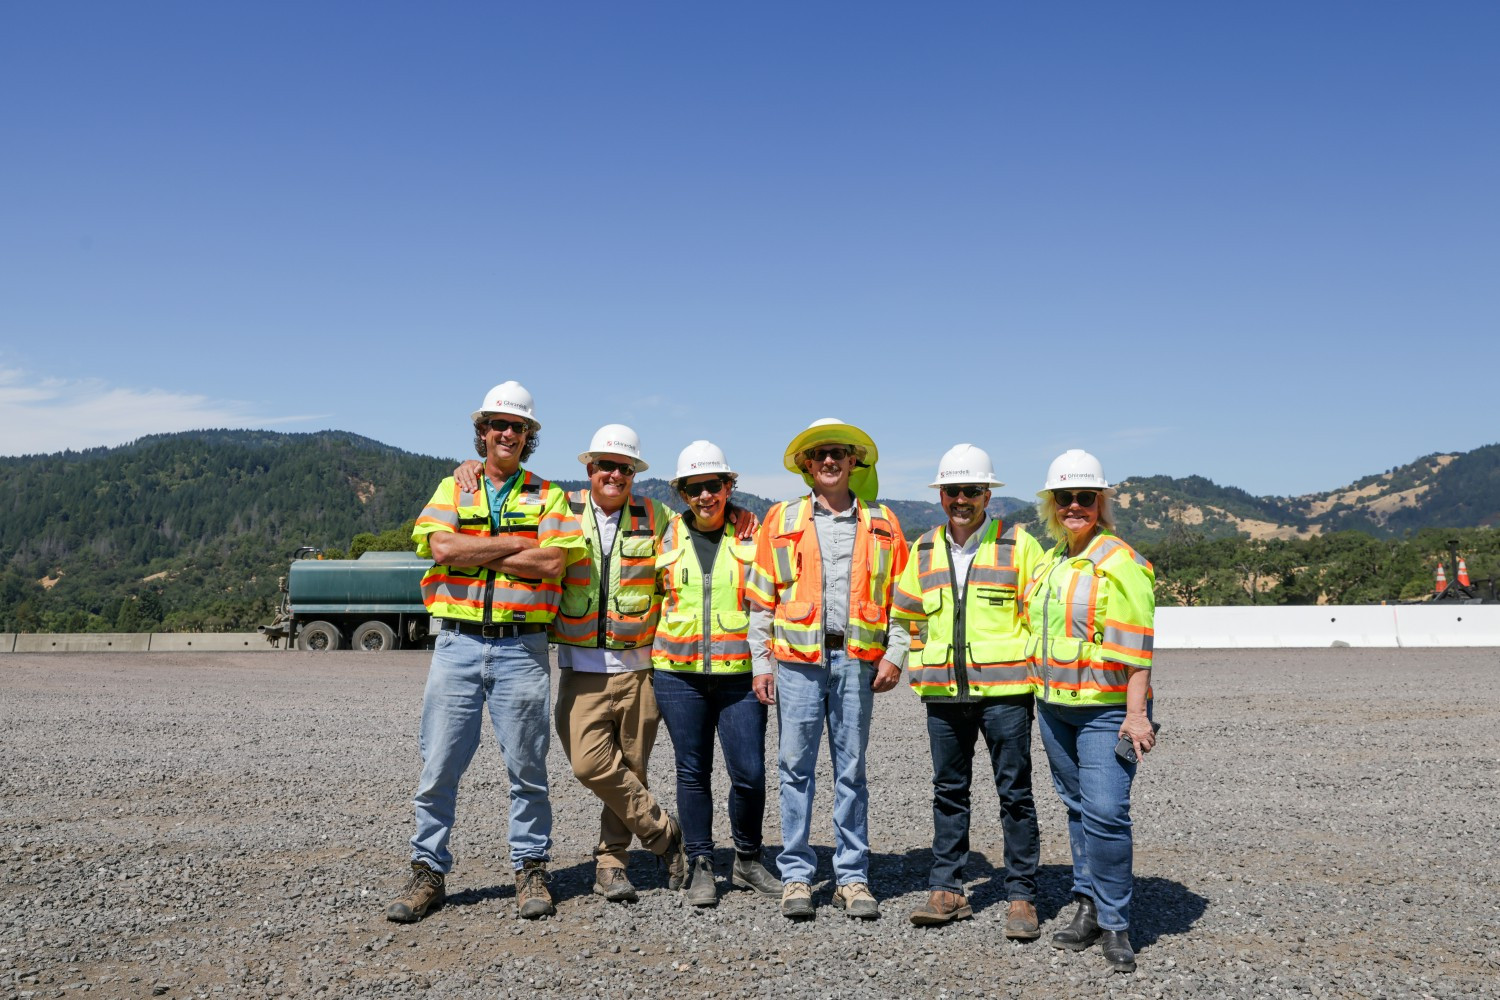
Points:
x=1046, y=510
x=533, y=438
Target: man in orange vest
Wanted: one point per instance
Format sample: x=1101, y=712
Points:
x=824, y=567
x=500, y=548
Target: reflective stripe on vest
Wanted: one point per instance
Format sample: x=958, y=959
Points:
x=475, y=594
x=681, y=643
x=994, y=639
x=1089, y=625
x=788, y=579
x=625, y=606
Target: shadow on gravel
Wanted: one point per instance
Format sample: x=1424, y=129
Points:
x=570, y=882
x=1161, y=906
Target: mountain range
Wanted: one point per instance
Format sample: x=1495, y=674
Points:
x=190, y=531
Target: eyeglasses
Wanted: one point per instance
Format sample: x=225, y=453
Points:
x=501, y=426
x=711, y=486
x=838, y=453
x=610, y=465
x=1066, y=498
x=969, y=491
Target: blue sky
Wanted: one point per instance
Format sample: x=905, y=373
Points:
x=1256, y=242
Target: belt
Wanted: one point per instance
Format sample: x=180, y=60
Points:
x=491, y=631
x=833, y=640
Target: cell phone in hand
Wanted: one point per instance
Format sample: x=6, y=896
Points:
x=1125, y=749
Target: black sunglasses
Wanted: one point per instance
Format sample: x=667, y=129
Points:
x=610, y=465
x=838, y=453
x=711, y=486
x=501, y=426
x=969, y=491
x=1065, y=498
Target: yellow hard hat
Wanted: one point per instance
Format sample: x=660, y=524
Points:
x=863, y=481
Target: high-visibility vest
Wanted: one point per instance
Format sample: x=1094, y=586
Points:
x=1091, y=618
x=690, y=599
x=534, y=508
x=988, y=625
x=618, y=609
x=787, y=579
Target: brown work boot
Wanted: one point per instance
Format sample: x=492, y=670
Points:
x=1020, y=922
x=614, y=885
x=422, y=894
x=533, y=898
x=942, y=907
x=675, y=854
x=857, y=901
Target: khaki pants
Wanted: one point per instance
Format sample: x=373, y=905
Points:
x=607, y=724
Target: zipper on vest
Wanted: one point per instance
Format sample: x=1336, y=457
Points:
x=960, y=627
x=599, y=628
x=708, y=611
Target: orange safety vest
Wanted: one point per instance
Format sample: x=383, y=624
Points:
x=704, y=626
x=617, y=610
x=787, y=579
x=535, y=509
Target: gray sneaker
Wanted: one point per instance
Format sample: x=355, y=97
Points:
x=701, y=888
x=614, y=885
x=749, y=873
x=674, y=854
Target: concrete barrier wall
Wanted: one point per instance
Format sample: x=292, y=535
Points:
x=1176, y=628
x=1330, y=625
x=83, y=642
x=212, y=642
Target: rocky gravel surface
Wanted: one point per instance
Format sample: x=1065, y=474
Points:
x=1314, y=823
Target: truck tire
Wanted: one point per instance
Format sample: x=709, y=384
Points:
x=319, y=637
x=373, y=637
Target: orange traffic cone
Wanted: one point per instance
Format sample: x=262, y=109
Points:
x=1442, y=579
x=1463, y=572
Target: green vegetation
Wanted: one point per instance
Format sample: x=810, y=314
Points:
x=190, y=532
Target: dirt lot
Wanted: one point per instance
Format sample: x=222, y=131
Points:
x=1313, y=824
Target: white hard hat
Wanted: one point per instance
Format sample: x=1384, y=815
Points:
x=1074, y=469
x=964, y=463
x=703, y=458
x=507, y=397
x=615, y=439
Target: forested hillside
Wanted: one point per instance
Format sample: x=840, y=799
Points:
x=190, y=532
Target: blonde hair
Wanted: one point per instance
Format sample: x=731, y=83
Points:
x=1046, y=511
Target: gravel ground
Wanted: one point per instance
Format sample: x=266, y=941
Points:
x=185, y=825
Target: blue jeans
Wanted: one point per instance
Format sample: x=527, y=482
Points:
x=1094, y=785
x=510, y=677
x=694, y=707
x=806, y=696
x=952, y=729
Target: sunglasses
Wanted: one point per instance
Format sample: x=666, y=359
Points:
x=501, y=426
x=971, y=492
x=610, y=465
x=838, y=453
x=713, y=487
x=1065, y=498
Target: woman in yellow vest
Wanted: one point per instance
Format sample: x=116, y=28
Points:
x=1089, y=606
x=702, y=680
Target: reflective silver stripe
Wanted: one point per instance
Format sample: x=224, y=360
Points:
x=1083, y=600
x=1127, y=640
x=794, y=636
x=987, y=575
x=905, y=602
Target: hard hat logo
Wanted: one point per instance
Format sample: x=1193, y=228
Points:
x=964, y=463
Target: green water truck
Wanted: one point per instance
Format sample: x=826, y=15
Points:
x=370, y=604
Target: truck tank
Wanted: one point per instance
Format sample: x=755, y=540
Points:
x=375, y=582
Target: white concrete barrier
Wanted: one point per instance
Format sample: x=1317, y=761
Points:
x=7, y=642
x=1448, y=625
x=83, y=642
x=1387, y=625
x=209, y=642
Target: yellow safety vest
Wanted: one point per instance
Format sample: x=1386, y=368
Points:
x=704, y=623
x=618, y=610
x=534, y=508
x=988, y=624
x=787, y=579
x=1091, y=618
